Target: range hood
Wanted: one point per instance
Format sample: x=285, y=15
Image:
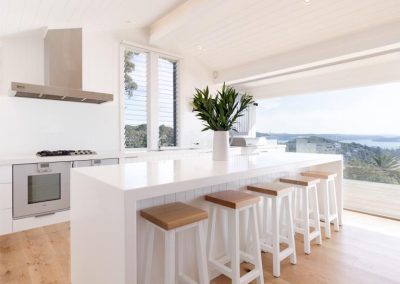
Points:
x=63, y=71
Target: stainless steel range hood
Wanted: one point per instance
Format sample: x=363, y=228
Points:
x=63, y=71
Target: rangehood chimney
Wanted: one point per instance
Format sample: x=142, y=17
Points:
x=63, y=71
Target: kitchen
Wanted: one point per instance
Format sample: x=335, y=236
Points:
x=63, y=119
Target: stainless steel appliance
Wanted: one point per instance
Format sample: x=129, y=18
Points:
x=95, y=162
x=40, y=189
x=44, y=188
x=47, y=153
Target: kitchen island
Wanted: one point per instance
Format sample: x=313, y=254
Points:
x=107, y=234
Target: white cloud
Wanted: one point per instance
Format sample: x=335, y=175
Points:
x=368, y=110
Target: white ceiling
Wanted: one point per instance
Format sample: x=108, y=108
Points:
x=22, y=15
x=221, y=33
x=224, y=33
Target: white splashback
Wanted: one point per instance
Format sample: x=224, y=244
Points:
x=29, y=125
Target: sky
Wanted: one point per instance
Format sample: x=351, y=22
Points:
x=366, y=110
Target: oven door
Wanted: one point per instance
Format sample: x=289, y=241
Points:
x=40, y=189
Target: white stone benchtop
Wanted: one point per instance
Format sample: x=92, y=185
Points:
x=200, y=170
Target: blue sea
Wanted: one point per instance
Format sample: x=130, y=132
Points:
x=372, y=143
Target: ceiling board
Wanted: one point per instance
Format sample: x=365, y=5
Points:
x=231, y=33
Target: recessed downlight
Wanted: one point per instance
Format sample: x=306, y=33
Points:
x=307, y=2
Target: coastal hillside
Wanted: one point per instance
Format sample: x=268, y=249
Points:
x=362, y=162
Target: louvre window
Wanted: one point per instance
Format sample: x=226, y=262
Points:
x=135, y=98
x=167, y=101
x=150, y=99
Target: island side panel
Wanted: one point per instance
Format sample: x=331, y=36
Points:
x=97, y=232
x=194, y=197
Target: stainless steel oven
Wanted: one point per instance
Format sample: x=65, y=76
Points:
x=40, y=189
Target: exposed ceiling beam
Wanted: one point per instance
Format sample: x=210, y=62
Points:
x=375, y=40
x=173, y=20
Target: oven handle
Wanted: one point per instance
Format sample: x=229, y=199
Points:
x=45, y=214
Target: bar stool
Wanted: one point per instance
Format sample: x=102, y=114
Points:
x=234, y=202
x=171, y=219
x=302, y=200
x=279, y=194
x=329, y=199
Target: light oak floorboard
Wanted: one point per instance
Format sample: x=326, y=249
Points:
x=366, y=250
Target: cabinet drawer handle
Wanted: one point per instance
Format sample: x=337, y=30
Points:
x=45, y=214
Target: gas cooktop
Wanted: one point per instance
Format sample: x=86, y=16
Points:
x=65, y=153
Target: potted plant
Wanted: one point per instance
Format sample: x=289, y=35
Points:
x=220, y=113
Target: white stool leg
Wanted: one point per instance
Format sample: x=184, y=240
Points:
x=225, y=230
x=211, y=232
x=290, y=229
x=306, y=220
x=149, y=255
x=276, y=264
x=325, y=192
x=266, y=216
x=201, y=254
x=169, y=259
x=180, y=250
x=316, y=217
x=256, y=246
x=282, y=218
x=233, y=216
x=334, y=205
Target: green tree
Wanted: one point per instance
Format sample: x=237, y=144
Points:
x=385, y=162
x=167, y=135
x=129, y=67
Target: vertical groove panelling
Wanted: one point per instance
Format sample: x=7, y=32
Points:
x=194, y=197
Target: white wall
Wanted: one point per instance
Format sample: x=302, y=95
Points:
x=30, y=125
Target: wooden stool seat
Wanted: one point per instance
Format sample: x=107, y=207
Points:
x=274, y=189
x=232, y=198
x=300, y=180
x=319, y=174
x=173, y=215
x=171, y=220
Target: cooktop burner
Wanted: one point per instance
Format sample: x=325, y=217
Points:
x=65, y=153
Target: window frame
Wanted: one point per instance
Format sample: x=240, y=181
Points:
x=177, y=100
x=152, y=96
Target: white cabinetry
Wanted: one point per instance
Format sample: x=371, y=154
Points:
x=5, y=200
x=5, y=196
x=5, y=221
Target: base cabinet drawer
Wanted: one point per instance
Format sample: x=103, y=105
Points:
x=5, y=196
x=5, y=221
x=40, y=221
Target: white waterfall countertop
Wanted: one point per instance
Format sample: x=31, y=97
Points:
x=107, y=233
x=201, y=170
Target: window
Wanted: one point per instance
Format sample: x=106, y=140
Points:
x=167, y=106
x=149, y=104
x=362, y=124
x=135, y=98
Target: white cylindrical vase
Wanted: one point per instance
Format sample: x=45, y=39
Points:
x=221, y=146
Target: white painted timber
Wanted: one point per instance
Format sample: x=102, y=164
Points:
x=34, y=222
x=5, y=221
x=5, y=196
x=5, y=174
x=105, y=202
